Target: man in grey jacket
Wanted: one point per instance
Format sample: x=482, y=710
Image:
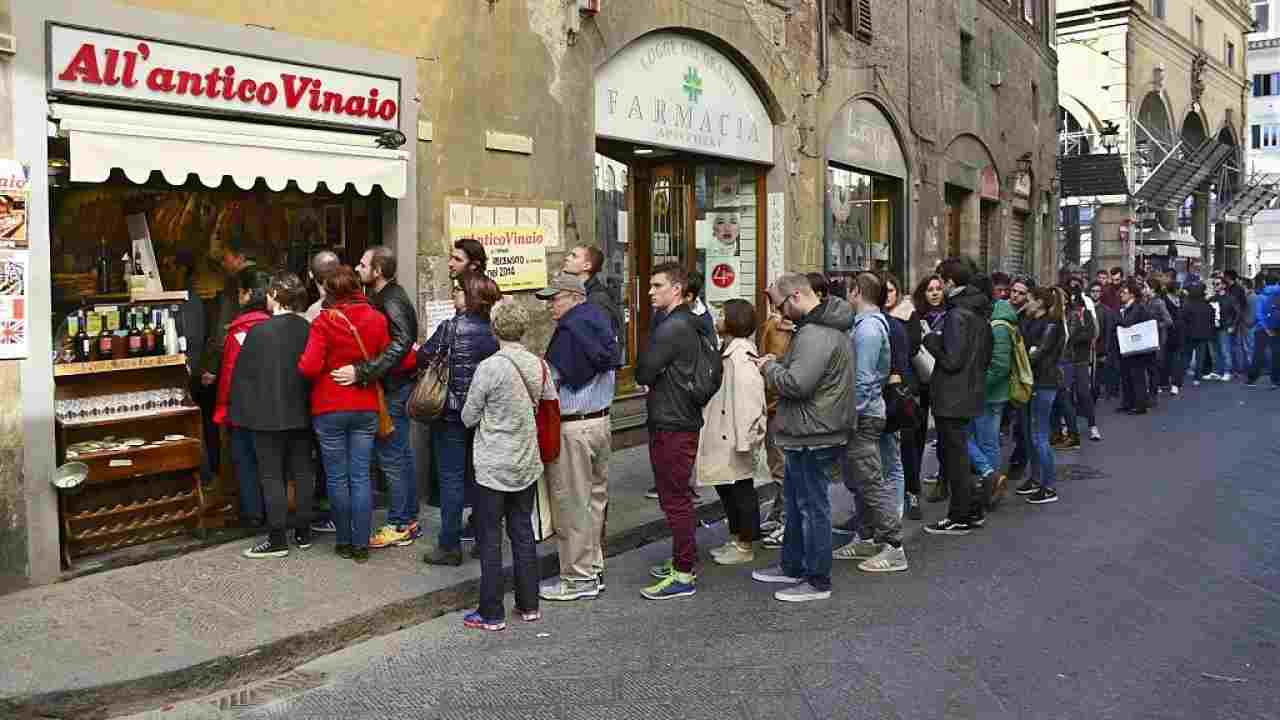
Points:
x=814, y=381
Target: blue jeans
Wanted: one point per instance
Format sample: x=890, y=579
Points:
x=1042, y=469
x=891, y=464
x=395, y=457
x=1265, y=343
x=346, y=449
x=1247, y=345
x=451, y=445
x=244, y=456
x=1225, y=343
x=806, y=542
x=984, y=440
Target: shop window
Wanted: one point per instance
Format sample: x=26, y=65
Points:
x=860, y=221
x=966, y=59
x=726, y=233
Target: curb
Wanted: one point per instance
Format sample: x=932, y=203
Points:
x=280, y=656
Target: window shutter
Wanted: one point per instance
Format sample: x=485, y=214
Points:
x=863, y=26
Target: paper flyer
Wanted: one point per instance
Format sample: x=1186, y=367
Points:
x=14, y=279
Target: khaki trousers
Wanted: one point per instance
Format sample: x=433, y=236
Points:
x=579, y=485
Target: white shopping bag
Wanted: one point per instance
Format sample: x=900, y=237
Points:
x=1139, y=339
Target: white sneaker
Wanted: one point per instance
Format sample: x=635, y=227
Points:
x=1174, y=391
x=1211, y=376
x=736, y=555
x=773, y=540
x=1226, y=377
x=1095, y=434
x=729, y=545
x=890, y=559
x=1195, y=383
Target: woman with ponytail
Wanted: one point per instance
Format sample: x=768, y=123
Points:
x=1045, y=338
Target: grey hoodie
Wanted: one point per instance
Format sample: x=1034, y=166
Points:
x=815, y=380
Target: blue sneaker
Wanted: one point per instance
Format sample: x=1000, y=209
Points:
x=675, y=585
x=474, y=621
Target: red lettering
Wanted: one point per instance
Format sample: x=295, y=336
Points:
x=246, y=90
x=228, y=80
x=332, y=102
x=144, y=50
x=371, y=109
x=109, y=76
x=293, y=90
x=189, y=82
x=387, y=110
x=267, y=93
x=211, y=82
x=160, y=80
x=354, y=106
x=315, y=96
x=130, y=64
x=83, y=67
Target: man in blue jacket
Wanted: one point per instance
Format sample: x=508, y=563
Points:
x=1267, y=332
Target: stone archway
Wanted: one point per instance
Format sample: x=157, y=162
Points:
x=1228, y=237
x=1194, y=212
x=971, y=198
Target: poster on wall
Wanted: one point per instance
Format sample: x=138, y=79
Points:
x=14, y=190
x=726, y=194
x=724, y=234
x=14, y=279
x=517, y=255
x=723, y=277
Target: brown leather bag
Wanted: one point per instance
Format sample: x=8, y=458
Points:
x=430, y=394
x=385, y=425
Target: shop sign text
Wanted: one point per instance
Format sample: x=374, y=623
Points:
x=673, y=91
x=126, y=68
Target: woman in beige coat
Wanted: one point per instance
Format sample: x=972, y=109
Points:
x=732, y=432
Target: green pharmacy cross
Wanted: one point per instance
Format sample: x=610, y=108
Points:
x=692, y=85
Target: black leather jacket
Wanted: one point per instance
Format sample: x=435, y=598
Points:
x=961, y=352
x=601, y=294
x=469, y=339
x=402, y=324
x=668, y=359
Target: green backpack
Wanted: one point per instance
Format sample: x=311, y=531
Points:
x=1021, y=381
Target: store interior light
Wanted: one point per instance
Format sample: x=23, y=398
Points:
x=643, y=151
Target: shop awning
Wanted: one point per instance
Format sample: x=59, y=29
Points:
x=1178, y=175
x=1258, y=195
x=142, y=142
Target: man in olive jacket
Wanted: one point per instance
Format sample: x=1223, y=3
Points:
x=817, y=409
x=962, y=352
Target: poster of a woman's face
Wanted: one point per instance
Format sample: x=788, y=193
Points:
x=725, y=231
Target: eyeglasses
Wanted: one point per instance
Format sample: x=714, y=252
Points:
x=781, y=307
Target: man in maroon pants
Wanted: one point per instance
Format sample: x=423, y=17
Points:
x=674, y=421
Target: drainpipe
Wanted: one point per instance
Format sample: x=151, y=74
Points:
x=824, y=56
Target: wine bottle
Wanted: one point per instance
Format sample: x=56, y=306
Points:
x=135, y=335
x=104, y=268
x=150, y=346
x=105, y=341
x=83, y=345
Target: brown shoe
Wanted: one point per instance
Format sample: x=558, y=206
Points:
x=998, y=488
x=440, y=556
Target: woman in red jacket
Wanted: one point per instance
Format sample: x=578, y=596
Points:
x=253, y=312
x=348, y=331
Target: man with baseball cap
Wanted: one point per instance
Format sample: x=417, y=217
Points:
x=583, y=356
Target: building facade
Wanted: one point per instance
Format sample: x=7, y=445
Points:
x=1150, y=82
x=1262, y=236
x=738, y=138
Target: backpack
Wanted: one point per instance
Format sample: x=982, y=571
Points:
x=1021, y=379
x=1271, y=316
x=707, y=372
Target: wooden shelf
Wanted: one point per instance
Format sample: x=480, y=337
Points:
x=128, y=418
x=133, y=507
x=107, y=366
x=177, y=516
x=160, y=296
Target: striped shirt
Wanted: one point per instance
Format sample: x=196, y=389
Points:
x=593, y=397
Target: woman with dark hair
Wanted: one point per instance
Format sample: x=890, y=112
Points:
x=733, y=430
x=929, y=300
x=1045, y=338
x=345, y=417
x=253, y=311
x=897, y=310
x=466, y=340
x=1076, y=397
x=270, y=398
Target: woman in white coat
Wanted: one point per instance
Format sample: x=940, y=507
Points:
x=732, y=432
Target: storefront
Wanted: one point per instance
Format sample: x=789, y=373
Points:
x=971, y=198
x=865, y=221
x=688, y=142
x=163, y=141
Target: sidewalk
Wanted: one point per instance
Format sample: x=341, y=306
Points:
x=199, y=622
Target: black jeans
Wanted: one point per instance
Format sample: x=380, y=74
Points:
x=742, y=509
x=490, y=509
x=1133, y=381
x=282, y=455
x=1264, y=342
x=953, y=442
x=1018, y=431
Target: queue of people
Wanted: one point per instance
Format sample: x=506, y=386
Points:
x=839, y=385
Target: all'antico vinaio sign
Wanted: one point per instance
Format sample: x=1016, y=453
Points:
x=126, y=68
x=670, y=90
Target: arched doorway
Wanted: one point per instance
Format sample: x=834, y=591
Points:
x=1193, y=213
x=866, y=215
x=681, y=117
x=1228, y=237
x=971, y=196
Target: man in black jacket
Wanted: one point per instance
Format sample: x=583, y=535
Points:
x=377, y=270
x=1133, y=368
x=674, y=422
x=961, y=354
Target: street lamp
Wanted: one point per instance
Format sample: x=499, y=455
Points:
x=1110, y=135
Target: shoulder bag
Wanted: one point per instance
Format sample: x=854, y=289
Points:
x=546, y=415
x=430, y=394
x=385, y=426
x=923, y=360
